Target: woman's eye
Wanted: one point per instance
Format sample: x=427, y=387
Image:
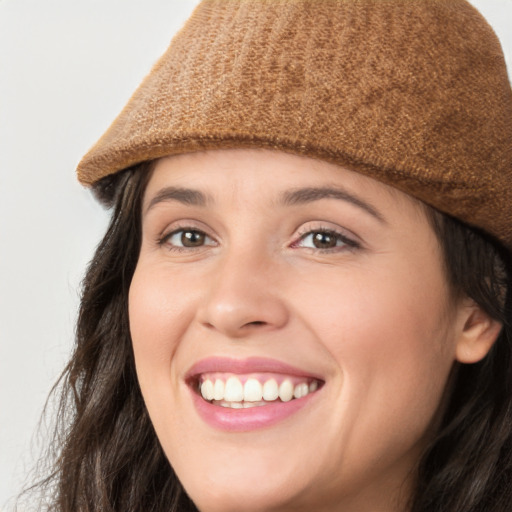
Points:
x=324, y=240
x=187, y=238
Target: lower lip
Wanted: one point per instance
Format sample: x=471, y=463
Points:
x=241, y=420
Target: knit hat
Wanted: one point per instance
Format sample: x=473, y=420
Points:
x=413, y=93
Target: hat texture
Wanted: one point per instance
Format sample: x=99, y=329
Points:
x=413, y=93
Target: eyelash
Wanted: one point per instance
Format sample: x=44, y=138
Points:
x=164, y=240
x=347, y=243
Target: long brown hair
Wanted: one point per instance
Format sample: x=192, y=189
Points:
x=109, y=458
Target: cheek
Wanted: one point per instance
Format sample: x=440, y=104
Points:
x=390, y=334
x=151, y=312
x=161, y=306
x=158, y=317
x=387, y=312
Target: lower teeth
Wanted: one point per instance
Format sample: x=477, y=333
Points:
x=240, y=405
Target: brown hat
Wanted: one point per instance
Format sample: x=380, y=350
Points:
x=413, y=93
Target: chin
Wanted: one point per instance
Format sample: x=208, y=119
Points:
x=253, y=485
x=236, y=502
x=250, y=497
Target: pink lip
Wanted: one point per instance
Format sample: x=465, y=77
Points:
x=241, y=420
x=240, y=366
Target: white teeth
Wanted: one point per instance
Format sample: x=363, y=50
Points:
x=234, y=391
x=218, y=390
x=240, y=405
x=301, y=390
x=248, y=405
x=270, y=390
x=286, y=390
x=253, y=391
x=207, y=390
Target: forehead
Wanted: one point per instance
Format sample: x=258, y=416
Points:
x=265, y=173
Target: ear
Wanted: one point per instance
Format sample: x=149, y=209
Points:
x=479, y=332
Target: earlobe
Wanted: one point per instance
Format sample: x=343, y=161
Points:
x=478, y=335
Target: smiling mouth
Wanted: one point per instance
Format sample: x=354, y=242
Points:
x=253, y=390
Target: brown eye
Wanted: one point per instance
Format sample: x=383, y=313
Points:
x=324, y=240
x=192, y=238
x=183, y=239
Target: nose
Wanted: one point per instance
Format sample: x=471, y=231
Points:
x=244, y=297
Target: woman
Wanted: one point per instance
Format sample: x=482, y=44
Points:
x=303, y=298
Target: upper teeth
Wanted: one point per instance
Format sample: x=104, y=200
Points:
x=234, y=391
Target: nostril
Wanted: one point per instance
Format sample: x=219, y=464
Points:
x=240, y=314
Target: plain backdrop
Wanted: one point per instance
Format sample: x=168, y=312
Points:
x=66, y=70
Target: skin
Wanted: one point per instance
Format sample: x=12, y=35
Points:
x=372, y=316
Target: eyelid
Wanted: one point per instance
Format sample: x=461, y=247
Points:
x=349, y=239
x=187, y=230
x=180, y=226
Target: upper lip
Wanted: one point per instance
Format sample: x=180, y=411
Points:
x=245, y=366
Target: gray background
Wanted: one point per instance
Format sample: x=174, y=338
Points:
x=66, y=70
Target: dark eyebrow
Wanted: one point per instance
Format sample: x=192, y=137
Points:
x=183, y=195
x=310, y=194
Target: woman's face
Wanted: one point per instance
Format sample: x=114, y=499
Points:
x=262, y=275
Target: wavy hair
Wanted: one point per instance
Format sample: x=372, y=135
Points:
x=109, y=458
